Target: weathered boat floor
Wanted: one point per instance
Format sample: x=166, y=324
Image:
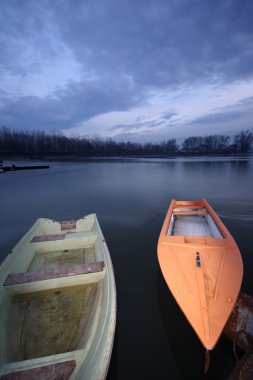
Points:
x=191, y=225
x=61, y=258
x=48, y=322
x=192, y=222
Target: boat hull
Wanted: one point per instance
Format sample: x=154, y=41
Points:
x=204, y=272
x=58, y=302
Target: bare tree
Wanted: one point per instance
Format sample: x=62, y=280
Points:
x=243, y=141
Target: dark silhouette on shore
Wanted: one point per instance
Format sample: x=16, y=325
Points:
x=40, y=143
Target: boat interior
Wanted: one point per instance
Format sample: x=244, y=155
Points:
x=192, y=221
x=50, y=309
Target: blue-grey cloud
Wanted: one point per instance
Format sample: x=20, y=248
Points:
x=243, y=108
x=126, y=51
x=144, y=124
x=67, y=107
x=28, y=38
x=220, y=117
x=169, y=115
x=156, y=43
x=162, y=43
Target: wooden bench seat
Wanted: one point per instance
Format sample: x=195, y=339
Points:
x=190, y=213
x=64, y=236
x=41, y=238
x=53, y=273
x=54, y=371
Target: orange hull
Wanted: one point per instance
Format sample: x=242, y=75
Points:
x=202, y=266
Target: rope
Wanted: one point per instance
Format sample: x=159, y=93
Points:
x=234, y=342
x=207, y=361
x=234, y=347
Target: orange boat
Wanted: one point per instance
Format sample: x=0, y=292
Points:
x=202, y=266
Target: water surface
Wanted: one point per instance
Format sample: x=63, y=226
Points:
x=130, y=197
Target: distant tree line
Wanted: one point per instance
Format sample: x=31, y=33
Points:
x=41, y=143
x=241, y=143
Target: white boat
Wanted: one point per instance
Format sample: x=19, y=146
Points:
x=57, y=303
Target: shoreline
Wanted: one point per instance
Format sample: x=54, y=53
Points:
x=78, y=158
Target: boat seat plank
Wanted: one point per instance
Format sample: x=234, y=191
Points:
x=190, y=213
x=52, y=273
x=47, y=372
x=64, y=236
x=41, y=238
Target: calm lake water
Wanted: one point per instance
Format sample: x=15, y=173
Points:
x=130, y=197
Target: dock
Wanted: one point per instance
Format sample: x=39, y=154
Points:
x=14, y=168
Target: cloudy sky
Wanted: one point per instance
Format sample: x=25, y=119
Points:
x=139, y=70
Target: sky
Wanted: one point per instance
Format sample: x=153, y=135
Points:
x=131, y=70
